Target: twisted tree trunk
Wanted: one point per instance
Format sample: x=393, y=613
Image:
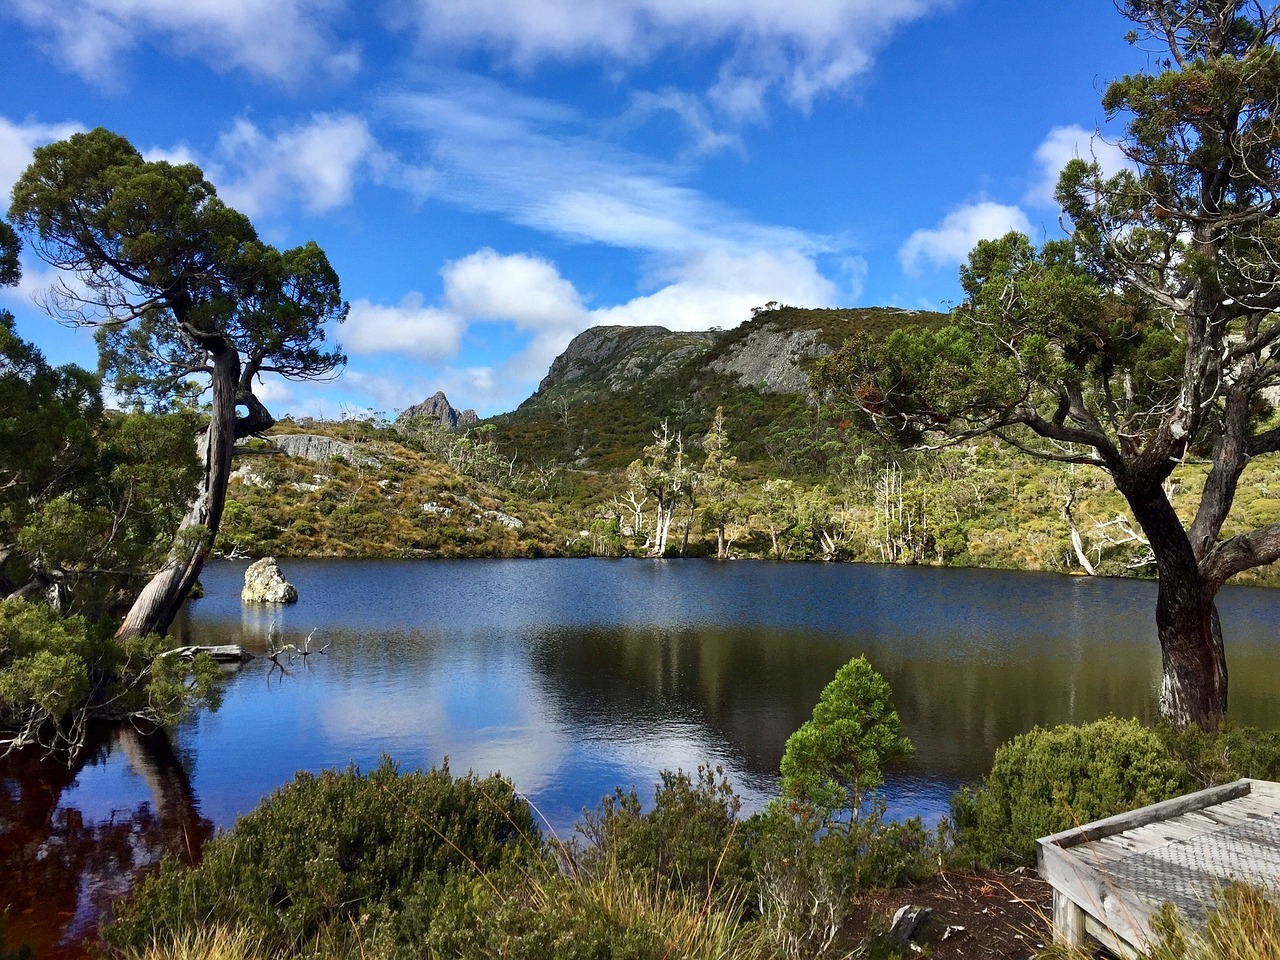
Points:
x=158, y=603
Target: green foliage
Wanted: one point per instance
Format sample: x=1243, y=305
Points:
x=689, y=840
x=343, y=854
x=838, y=755
x=807, y=872
x=56, y=673
x=1050, y=779
x=1229, y=752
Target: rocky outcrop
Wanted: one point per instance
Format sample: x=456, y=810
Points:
x=438, y=409
x=264, y=583
x=318, y=449
x=621, y=357
x=467, y=506
x=771, y=360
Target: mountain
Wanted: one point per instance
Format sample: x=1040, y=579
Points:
x=438, y=409
x=603, y=396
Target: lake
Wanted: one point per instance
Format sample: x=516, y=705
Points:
x=576, y=676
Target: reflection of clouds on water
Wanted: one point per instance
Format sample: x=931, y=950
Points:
x=479, y=704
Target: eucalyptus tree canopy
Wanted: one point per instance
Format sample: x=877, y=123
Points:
x=186, y=299
x=1147, y=338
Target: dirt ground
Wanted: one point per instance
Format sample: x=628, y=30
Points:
x=1005, y=915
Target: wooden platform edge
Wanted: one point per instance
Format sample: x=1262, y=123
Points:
x=1084, y=898
x=1164, y=810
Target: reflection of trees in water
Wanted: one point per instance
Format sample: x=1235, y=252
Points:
x=62, y=868
x=751, y=689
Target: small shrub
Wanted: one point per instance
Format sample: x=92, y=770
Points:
x=338, y=852
x=838, y=755
x=1222, y=755
x=689, y=840
x=1050, y=779
x=808, y=871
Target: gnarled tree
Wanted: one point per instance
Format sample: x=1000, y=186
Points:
x=1147, y=338
x=185, y=297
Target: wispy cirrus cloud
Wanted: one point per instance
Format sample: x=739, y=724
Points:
x=540, y=165
x=799, y=50
x=285, y=41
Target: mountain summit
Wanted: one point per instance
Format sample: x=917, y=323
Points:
x=438, y=409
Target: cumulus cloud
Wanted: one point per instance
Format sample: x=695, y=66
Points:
x=18, y=141
x=409, y=328
x=1062, y=145
x=315, y=163
x=526, y=290
x=280, y=40
x=949, y=243
x=801, y=49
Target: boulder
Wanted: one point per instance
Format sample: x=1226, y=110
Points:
x=919, y=928
x=264, y=583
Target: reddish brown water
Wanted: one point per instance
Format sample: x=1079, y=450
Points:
x=65, y=862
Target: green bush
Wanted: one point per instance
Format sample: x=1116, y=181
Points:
x=689, y=840
x=1050, y=779
x=1222, y=755
x=835, y=757
x=339, y=855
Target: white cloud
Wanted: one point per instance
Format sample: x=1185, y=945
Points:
x=1062, y=145
x=695, y=116
x=950, y=242
x=540, y=166
x=717, y=289
x=526, y=290
x=315, y=163
x=280, y=40
x=408, y=328
x=801, y=49
x=18, y=141
x=179, y=155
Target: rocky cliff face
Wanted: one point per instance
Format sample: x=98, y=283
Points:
x=621, y=357
x=771, y=359
x=439, y=410
x=321, y=449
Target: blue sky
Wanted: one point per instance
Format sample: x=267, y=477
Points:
x=492, y=177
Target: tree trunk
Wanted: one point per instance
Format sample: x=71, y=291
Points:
x=160, y=600
x=1193, y=686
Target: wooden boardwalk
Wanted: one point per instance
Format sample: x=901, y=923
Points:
x=1111, y=876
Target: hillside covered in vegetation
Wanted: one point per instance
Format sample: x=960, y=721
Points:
x=642, y=441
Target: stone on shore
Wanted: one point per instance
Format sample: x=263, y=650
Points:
x=264, y=583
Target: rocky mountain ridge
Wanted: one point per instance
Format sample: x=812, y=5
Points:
x=438, y=409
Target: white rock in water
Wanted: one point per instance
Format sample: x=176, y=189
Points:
x=264, y=583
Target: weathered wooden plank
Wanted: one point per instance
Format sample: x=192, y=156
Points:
x=1118, y=870
x=1068, y=921
x=223, y=653
x=1149, y=814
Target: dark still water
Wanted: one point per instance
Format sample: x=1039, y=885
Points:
x=574, y=676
